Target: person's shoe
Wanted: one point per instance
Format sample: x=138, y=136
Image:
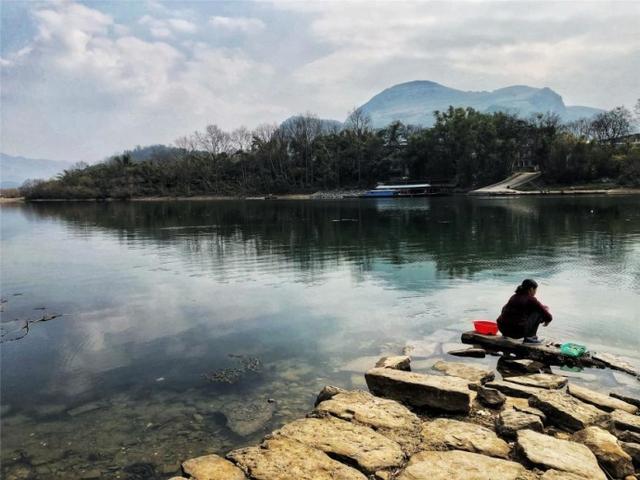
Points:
x=535, y=340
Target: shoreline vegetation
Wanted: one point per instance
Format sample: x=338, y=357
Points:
x=464, y=149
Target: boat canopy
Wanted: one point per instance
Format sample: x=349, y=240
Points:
x=403, y=187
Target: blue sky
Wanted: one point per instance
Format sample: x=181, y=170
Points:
x=83, y=80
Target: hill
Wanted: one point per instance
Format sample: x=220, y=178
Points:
x=15, y=170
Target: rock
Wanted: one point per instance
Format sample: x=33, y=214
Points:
x=86, y=408
x=387, y=417
x=362, y=446
x=539, y=380
x=212, y=467
x=91, y=474
x=607, y=450
x=522, y=365
x=558, y=475
x=456, y=464
x=566, y=411
x=549, y=452
x=510, y=422
x=625, y=421
x=627, y=436
x=531, y=411
x=420, y=349
x=284, y=459
x=327, y=392
x=399, y=362
x=633, y=450
x=626, y=398
x=513, y=389
x=490, y=397
x=600, y=400
x=468, y=371
x=444, y=433
x=248, y=416
x=616, y=363
x=359, y=365
x=468, y=352
x=444, y=393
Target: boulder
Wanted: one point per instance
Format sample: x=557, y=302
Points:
x=566, y=411
x=539, y=380
x=212, y=467
x=490, y=397
x=387, y=417
x=633, y=450
x=328, y=392
x=509, y=422
x=444, y=433
x=607, y=450
x=600, y=400
x=456, y=464
x=549, y=452
x=418, y=390
x=473, y=373
x=360, y=445
x=626, y=398
x=625, y=421
x=284, y=459
x=468, y=352
x=513, y=389
x=399, y=362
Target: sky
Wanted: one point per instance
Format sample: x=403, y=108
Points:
x=82, y=80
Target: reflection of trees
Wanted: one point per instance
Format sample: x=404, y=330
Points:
x=462, y=235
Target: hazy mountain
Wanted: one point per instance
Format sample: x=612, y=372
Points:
x=414, y=102
x=15, y=170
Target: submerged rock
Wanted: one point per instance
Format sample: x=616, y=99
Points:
x=626, y=421
x=549, y=452
x=212, y=467
x=399, y=362
x=444, y=393
x=456, y=464
x=600, y=400
x=284, y=459
x=468, y=352
x=444, y=433
x=361, y=445
x=566, y=411
x=539, y=380
x=513, y=389
x=472, y=372
x=607, y=450
x=510, y=422
x=86, y=408
x=490, y=397
x=248, y=416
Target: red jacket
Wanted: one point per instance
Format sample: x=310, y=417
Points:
x=513, y=319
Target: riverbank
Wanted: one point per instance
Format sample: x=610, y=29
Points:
x=457, y=422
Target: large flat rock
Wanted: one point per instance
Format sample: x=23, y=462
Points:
x=444, y=433
x=418, y=390
x=625, y=421
x=387, y=417
x=549, y=452
x=459, y=465
x=539, y=380
x=473, y=372
x=398, y=362
x=212, y=467
x=338, y=438
x=558, y=475
x=286, y=459
x=510, y=422
x=566, y=411
x=600, y=400
x=513, y=389
x=626, y=398
x=607, y=450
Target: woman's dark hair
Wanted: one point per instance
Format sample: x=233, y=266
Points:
x=526, y=285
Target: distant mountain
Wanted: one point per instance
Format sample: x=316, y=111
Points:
x=15, y=170
x=414, y=103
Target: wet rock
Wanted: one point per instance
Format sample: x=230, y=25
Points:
x=549, y=452
x=633, y=450
x=490, y=397
x=468, y=352
x=539, y=380
x=444, y=433
x=86, y=408
x=284, y=459
x=625, y=421
x=361, y=445
x=510, y=422
x=521, y=365
x=444, y=393
x=606, y=449
x=245, y=417
x=626, y=398
x=616, y=363
x=420, y=348
x=387, y=417
x=327, y=392
x=513, y=389
x=399, y=362
x=627, y=436
x=558, y=475
x=212, y=467
x=600, y=400
x=566, y=411
x=91, y=474
x=473, y=373
x=359, y=365
x=456, y=464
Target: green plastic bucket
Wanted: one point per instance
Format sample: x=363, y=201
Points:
x=573, y=349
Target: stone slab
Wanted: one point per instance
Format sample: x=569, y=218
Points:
x=566, y=411
x=607, y=450
x=539, y=380
x=473, y=372
x=398, y=362
x=625, y=421
x=444, y=433
x=513, y=389
x=626, y=398
x=510, y=422
x=600, y=400
x=212, y=467
x=468, y=352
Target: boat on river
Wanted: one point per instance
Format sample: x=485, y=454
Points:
x=402, y=190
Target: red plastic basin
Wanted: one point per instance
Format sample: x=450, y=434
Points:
x=485, y=327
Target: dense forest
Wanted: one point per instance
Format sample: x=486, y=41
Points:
x=464, y=147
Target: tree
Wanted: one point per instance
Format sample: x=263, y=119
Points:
x=611, y=125
x=358, y=122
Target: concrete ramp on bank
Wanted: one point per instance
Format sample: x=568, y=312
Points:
x=507, y=185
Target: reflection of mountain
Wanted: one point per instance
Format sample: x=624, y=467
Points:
x=461, y=236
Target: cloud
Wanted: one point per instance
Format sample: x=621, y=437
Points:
x=164, y=28
x=242, y=24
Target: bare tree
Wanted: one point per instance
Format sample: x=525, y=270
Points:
x=359, y=122
x=241, y=139
x=580, y=128
x=214, y=141
x=611, y=125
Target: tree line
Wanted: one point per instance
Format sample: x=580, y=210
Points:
x=464, y=147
